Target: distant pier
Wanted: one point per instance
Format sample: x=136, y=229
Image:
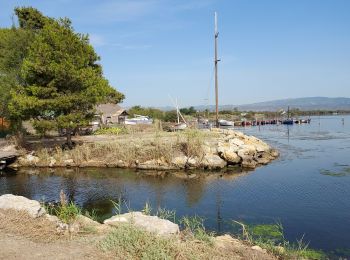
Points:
x=6, y=158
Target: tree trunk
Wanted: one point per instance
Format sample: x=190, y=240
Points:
x=69, y=138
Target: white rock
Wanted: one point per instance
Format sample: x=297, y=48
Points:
x=274, y=153
x=52, y=162
x=257, y=248
x=31, y=159
x=244, y=153
x=180, y=161
x=192, y=162
x=231, y=156
x=249, y=162
x=32, y=207
x=262, y=148
x=236, y=141
x=226, y=241
x=249, y=147
x=68, y=162
x=149, y=223
x=213, y=161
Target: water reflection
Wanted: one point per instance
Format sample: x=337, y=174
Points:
x=97, y=188
x=290, y=190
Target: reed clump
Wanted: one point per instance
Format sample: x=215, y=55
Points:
x=271, y=237
x=158, y=146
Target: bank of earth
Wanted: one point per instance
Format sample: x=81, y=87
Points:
x=27, y=231
x=191, y=149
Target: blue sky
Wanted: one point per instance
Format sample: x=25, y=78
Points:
x=270, y=49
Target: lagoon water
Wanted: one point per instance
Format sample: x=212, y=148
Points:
x=307, y=189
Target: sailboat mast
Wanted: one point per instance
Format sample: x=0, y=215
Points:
x=216, y=72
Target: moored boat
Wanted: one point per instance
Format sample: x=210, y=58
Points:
x=226, y=123
x=138, y=119
x=288, y=121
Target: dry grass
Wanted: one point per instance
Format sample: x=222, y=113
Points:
x=19, y=223
x=156, y=145
x=122, y=242
x=127, y=242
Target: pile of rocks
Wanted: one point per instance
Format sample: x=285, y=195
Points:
x=229, y=147
x=220, y=148
x=35, y=210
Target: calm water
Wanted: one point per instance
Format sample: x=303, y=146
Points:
x=307, y=189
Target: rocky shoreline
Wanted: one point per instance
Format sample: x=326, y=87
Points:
x=17, y=208
x=218, y=149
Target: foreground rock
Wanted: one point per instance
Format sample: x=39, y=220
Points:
x=226, y=243
x=149, y=223
x=19, y=203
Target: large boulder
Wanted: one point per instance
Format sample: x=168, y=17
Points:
x=249, y=162
x=263, y=158
x=32, y=207
x=180, y=161
x=226, y=242
x=231, y=157
x=228, y=152
x=236, y=142
x=149, y=223
x=28, y=160
x=213, y=161
x=247, y=151
x=274, y=153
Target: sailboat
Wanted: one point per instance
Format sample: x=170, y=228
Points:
x=218, y=123
x=179, y=125
x=288, y=121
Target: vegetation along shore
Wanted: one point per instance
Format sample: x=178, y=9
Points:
x=191, y=149
x=63, y=231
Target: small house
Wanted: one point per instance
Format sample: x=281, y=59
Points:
x=111, y=113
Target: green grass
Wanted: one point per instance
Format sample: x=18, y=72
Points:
x=132, y=243
x=342, y=173
x=271, y=237
x=67, y=213
x=111, y=131
x=147, y=209
x=92, y=215
x=166, y=214
x=194, y=226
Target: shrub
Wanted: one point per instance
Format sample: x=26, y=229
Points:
x=111, y=131
x=195, y=226
x=132, y=243
x=271, y=237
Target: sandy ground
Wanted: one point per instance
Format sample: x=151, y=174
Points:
x=24, y=238
x=18, y=247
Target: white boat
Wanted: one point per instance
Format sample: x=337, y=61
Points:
x=180, y=126
x=139, y=119
x=226, y=123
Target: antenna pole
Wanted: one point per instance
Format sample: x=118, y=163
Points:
x=216, y=71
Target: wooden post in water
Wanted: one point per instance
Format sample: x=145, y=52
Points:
x=216, y=72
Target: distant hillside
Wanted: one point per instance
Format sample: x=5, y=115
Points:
x=308, y=103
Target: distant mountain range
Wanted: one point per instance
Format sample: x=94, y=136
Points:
x=307, y=103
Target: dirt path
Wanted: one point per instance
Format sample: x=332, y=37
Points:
x=18, y=247
x=22, y=237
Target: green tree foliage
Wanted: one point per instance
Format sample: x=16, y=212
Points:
x=13, y=48
x=14, y=45
x=188, y=111
x=63, y=80
x=146, y=111
x=170, y=116
x=167, y=116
